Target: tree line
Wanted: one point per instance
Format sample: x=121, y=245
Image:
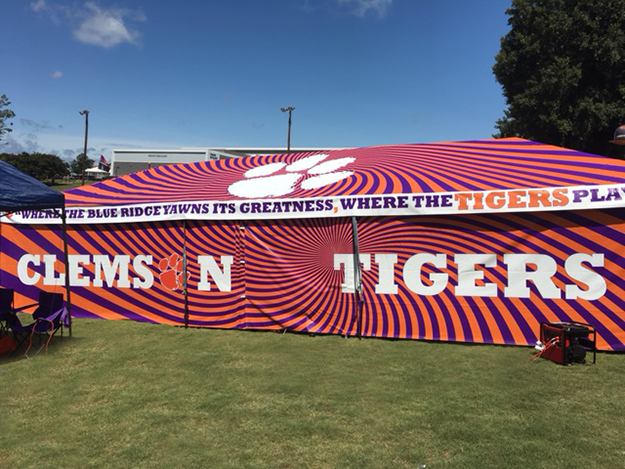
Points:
x=46, y=167
x=41, y=166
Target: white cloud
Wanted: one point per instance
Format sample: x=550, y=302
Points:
x=95, y=25
x=54, y=12
x=35, y=126
x=56, y=74
x=9, y=144
x=361, y=7
x=38, y=6
x=44, y=137
x=107, y=27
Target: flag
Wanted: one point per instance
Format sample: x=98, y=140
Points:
x=104, y=165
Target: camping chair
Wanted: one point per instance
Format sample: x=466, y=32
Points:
x=50, y=316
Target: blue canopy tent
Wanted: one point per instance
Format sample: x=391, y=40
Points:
x=19, y=191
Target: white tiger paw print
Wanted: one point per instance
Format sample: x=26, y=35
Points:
x=277, y=179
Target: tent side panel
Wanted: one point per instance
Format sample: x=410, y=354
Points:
x=295, y=276
x=32, y=259
x=477, y=278
x=117, y=271
x=494, y=278
x=215, y=275
x=127, y=271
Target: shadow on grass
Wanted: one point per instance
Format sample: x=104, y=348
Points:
x=38, y=349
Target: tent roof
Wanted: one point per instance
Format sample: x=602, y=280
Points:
x=96, y=170
x=480, y=165
x=19, y=191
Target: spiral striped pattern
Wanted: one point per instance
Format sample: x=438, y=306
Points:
x=423, y=168
x=294, y=285
x=498, y=319
x=283, y=274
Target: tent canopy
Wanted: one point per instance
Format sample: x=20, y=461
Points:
x=479, y=165
x=19, y=191
x=96, y=170
x=479, y=176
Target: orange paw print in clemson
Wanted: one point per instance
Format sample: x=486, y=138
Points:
x=171, y=275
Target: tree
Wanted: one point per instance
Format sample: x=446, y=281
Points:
x=41, y=166
x=562, y=70
x=5, y=115
x=51, y=167
x=76, y=165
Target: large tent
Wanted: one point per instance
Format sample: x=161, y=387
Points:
x=476, y=241
x=18, y=192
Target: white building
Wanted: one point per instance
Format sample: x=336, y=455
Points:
x=125, y=161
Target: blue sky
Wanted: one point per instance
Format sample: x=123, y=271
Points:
x=215, y=73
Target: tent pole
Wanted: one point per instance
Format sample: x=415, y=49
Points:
x=184, y=273
x=357, y=276
x=65, y=252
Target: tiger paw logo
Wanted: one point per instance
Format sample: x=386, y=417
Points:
x=171, y=276
x=277, y=179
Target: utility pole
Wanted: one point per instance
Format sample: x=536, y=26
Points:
x=85, y=113
x=288, y=138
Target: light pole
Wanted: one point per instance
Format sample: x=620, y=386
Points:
x=288, y=139
x=619, y=136
x=85, y=113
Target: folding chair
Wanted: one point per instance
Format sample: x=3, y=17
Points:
x=50, y=316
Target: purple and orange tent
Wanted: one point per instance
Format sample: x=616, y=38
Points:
x=476, y=241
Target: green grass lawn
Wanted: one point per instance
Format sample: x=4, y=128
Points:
x=70, y=185
x=130, y=395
